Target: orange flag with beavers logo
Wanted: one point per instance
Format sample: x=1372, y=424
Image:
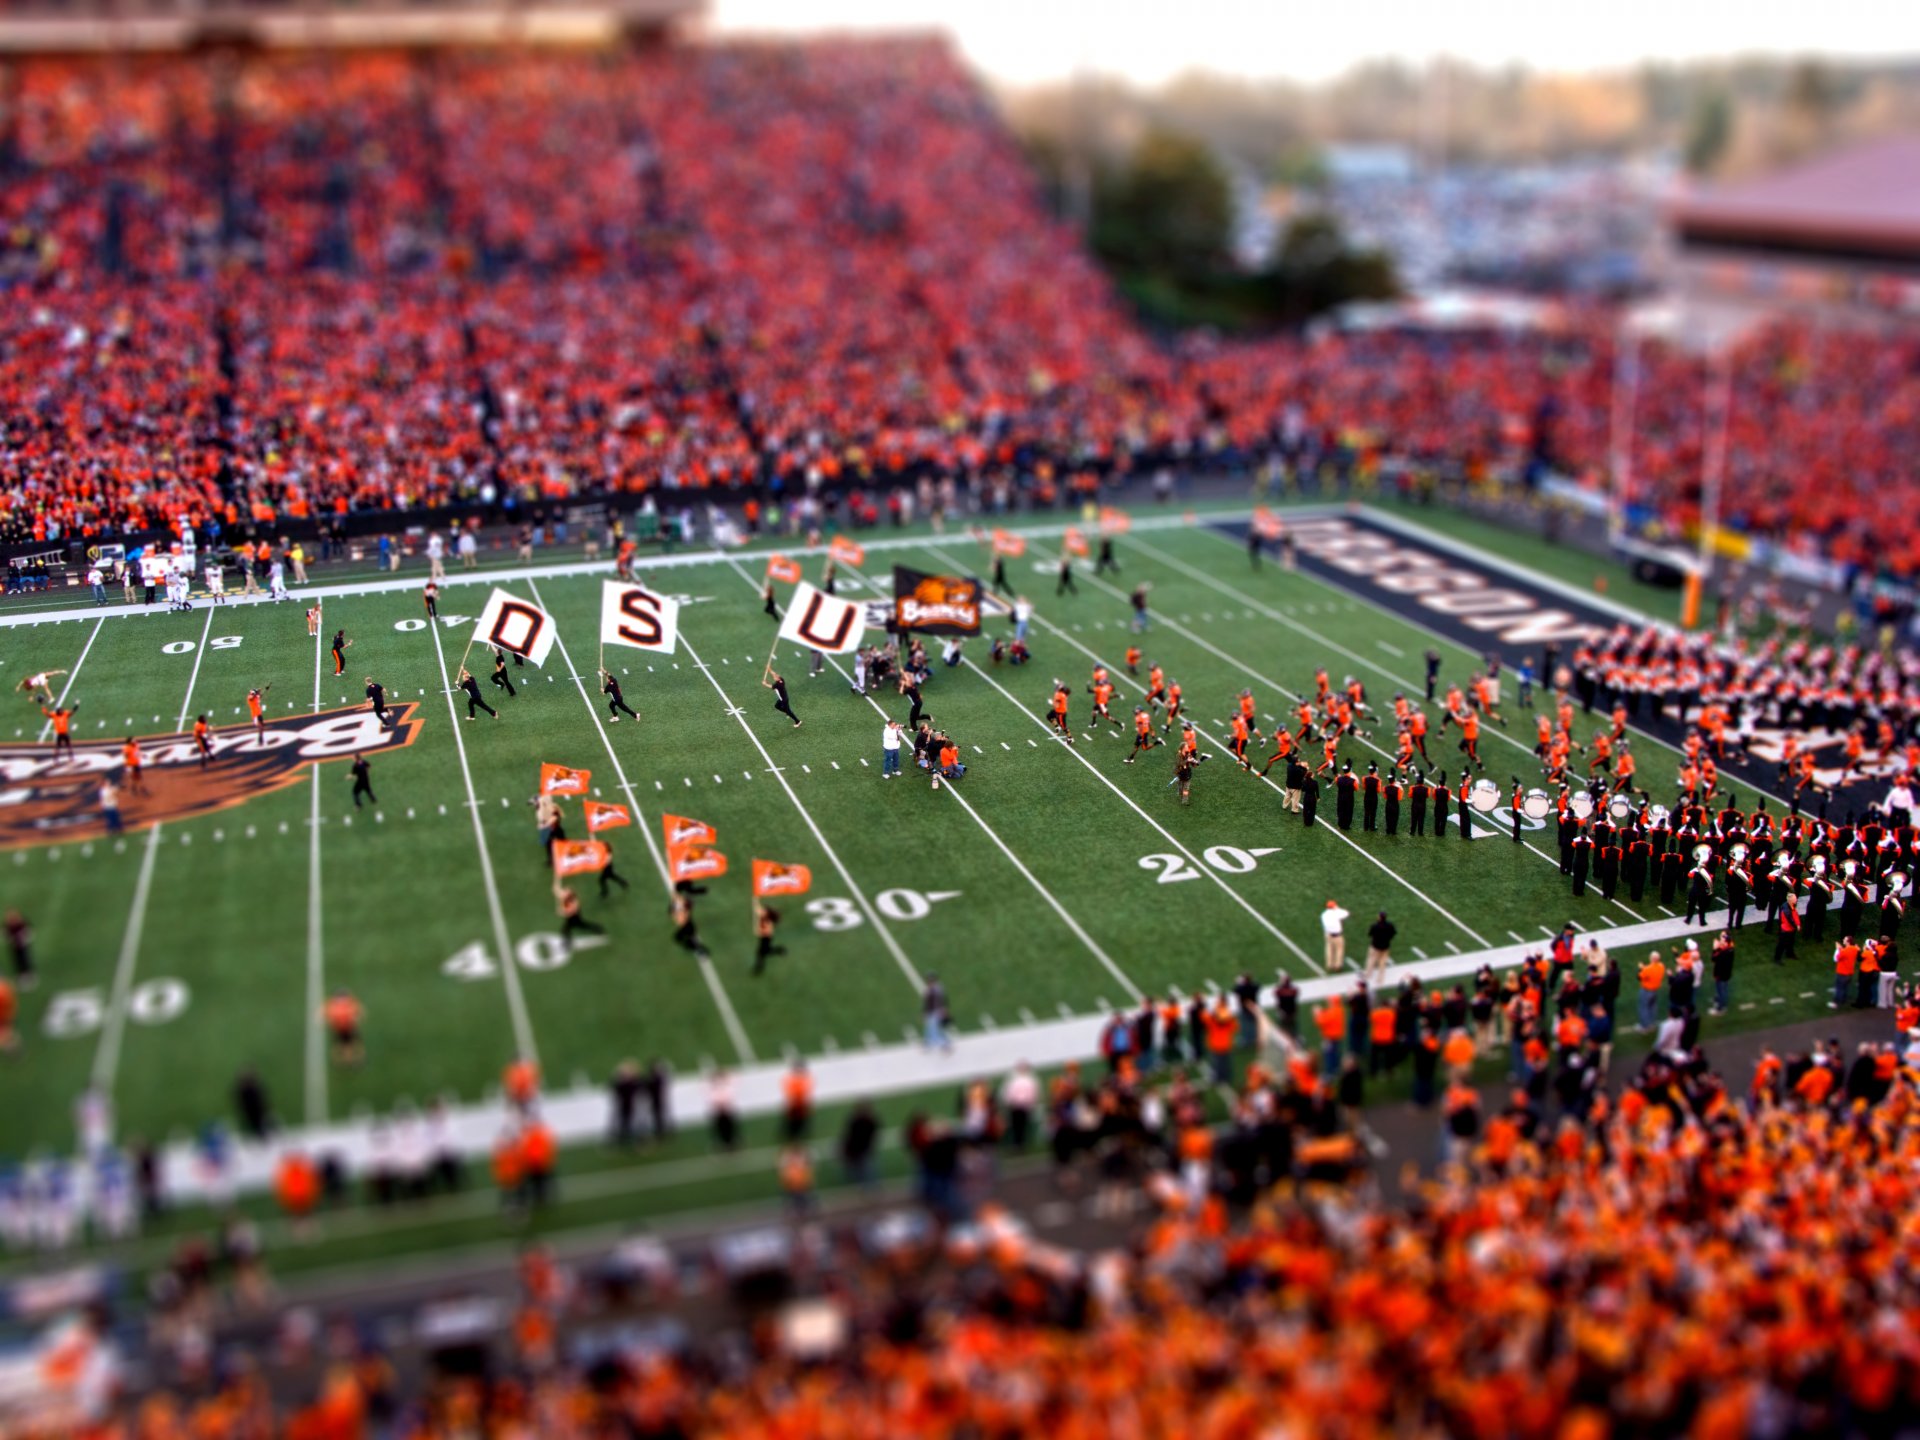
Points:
x=696, y=862
x=580, y=857
x=1008, y=544
x=1074, y=541
x=564, y=780
x=847, y=552
x=605, y=817
x=679, y=831
x=779, y=567
x=772, y=878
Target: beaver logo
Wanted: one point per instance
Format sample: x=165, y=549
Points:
x=935, y=604
x=48, y=801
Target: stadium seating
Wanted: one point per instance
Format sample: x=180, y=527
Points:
x=1696, y=1257
x=386, y=281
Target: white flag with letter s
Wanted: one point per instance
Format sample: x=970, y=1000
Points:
x=634, y=615
x=821, y=622
x=517, y=626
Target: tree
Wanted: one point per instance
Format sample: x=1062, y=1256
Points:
x=1316, y=269
x=1709, y=131
x=1168, y=211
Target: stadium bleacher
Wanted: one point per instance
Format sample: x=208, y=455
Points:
x=270, y=285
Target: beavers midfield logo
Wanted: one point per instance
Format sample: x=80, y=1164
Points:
x=44, y=800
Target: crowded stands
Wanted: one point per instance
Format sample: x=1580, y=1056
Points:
x=260, y=288
x=1689, y=1252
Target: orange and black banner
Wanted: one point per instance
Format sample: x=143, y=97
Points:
x=935, y=604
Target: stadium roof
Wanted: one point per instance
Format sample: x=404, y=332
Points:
x=1863, y=200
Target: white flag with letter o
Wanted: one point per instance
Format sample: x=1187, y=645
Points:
x=821, y=622
x=634, y=615
x=519, y=627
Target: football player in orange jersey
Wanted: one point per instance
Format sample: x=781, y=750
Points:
x=202, y=740
x=1143, y=736
x=1175, y=706
x=1102, y=691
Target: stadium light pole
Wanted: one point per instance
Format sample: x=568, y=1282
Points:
x=1713, y=459
x=1626, y=395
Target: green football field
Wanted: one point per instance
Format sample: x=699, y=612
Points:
x=1050, y=881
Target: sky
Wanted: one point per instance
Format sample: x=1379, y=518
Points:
x=1026, y=42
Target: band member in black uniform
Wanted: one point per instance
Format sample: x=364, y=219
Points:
x=1518, y=796
x=1417, y=794
x=1440, y=798
x=1582, y=854
x=1309, y=799
x=1344, y=787
x=1392, y=789
x=1466, y=810
x=1699, y=890
x=1634, y=869
x=1607, y=867
x=1673, y=867
x=1370, y=796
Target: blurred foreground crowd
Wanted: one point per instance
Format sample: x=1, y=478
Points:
x=269, y=289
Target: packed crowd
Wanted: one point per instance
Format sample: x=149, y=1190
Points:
x=285, y=285
x=1663, y=1249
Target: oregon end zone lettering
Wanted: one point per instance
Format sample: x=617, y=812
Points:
x=1472, y=605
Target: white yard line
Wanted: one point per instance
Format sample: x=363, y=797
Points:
x=316, y=954
x=1123, y=678
x=509, y=966
x=729, y=1017
x=952, y=792
x=1164, y=833
x=73, y=675
x=860, y=896
x=1176, y=564
x=106, y=1059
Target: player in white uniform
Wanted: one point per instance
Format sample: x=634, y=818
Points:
x=216, y=582
x=277, y=579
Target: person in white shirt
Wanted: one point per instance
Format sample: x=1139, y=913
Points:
x=216, y=582
x=890, y=750
x=436, y=556
x=1899, y=802
x=1331, y=920
x=469, y=549
x=98, y=583
x=277, y=579
x=1020, y=1097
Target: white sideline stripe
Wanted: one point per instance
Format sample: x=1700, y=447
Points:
x=316, y=953
x=509, y=972
x=736, y=1032
x=73, y=675
x=1175, y=563
x=585, y=1115
x=860, y=896
x=1267, y=780
x=106, y=1060
x=1192, y=859
x=555, y=570
x=953, y=793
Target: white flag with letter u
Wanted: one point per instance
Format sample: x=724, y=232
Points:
x=821, y=622
x=517, y=626
x=634, y=615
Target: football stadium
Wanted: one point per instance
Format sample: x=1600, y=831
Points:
x=675, y=769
